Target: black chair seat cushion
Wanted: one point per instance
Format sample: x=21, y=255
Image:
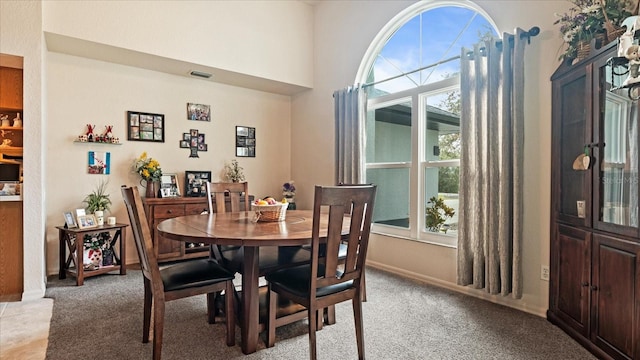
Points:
x=193, y=273
x=342, y=250
x=297, y=279
x=271, y=258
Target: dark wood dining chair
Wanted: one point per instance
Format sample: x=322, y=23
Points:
x=330, y=312
x=324, y=282
x=189, y=278
x=219, y=192
x=270, y=258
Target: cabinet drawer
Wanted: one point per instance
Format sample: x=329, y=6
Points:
x=195, y=209
x=168, y=211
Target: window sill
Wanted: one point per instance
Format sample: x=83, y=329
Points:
x=448, y=241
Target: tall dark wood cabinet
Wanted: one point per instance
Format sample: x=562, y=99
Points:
x=594, y=292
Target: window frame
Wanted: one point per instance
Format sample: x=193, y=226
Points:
x=418, y=96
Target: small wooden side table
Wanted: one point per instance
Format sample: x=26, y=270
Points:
x=73, y=240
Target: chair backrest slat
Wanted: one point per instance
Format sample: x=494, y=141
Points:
x=141, y=235
x=236, y=191
x=345, y=203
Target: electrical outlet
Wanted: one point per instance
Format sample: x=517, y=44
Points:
x=544, y=272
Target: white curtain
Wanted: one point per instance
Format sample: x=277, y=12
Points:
x=349, y=104
x=491, y=166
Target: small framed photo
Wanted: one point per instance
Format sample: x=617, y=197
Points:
x=80, y=212
x=196, y=183
x=87, y=221
x=169, y=186
x=198, y=112
x=70, y=220
x=186, y=136
x=184, y=143
x=145, y=126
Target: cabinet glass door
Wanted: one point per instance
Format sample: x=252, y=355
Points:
x=572, y=130
x=617, y=145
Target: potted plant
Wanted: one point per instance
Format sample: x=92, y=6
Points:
x=98, y=202
x=588, y=20
x=437, y=214
x=233, y=171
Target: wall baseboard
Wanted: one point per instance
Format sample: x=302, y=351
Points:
x=480, y=294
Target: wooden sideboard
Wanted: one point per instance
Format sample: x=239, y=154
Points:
x=159, y=209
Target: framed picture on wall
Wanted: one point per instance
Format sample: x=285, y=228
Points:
x=198, y=112
x=195, y=183
x=245, y=141
x=145, y=126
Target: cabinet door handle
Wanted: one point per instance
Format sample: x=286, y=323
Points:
x=594, y=288
x=170, y=211
x=585, y=284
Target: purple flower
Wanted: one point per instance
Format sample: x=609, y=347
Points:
x=289, y=187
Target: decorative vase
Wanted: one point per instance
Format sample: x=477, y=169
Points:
x=99, y=217
x=291, y=200
x=151, y=189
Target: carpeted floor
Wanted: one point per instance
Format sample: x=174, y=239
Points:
x=403, y=319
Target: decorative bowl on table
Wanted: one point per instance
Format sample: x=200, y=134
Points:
x=270, y=212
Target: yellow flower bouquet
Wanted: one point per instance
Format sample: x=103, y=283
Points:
x=148, y=168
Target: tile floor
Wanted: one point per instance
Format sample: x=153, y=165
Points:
x=24, y=329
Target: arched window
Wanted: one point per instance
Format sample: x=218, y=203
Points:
x=411, y=72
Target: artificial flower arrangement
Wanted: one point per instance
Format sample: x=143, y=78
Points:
x=288, y=189
x=590, y=19
x=148, y=168
x=233, y=171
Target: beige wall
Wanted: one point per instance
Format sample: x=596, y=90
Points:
x=82, y=91
x=343, y=32
x=268, y=39
x=295, y=134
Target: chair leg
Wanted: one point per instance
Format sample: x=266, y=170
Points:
x=211, y=307
x=148, y=302
x=230, y=316
x=363, y=287
x=357, y=314
x=312, y=333
x=158, y=328
x=272, y=307
x=331, y=315
x=320, y=319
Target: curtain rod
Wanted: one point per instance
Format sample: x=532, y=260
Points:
x=534, y=31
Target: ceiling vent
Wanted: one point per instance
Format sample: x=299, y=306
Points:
x=200, y=74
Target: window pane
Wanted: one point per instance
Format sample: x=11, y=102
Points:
x=446, y=189
x=443, y=127
x=389, y=134
x=392, y=196
x=432, y=39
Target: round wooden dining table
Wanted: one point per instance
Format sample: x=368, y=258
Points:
x=240, y=228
